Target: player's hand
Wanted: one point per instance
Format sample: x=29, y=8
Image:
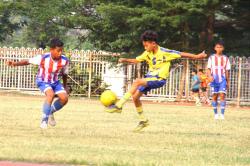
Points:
x=210, y=79
x=10, y=63
x=202, y=55
x=121, y=60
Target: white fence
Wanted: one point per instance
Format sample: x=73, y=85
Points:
x=90, y=68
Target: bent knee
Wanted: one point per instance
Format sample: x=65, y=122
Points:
x=64, y=99
x=139, y=82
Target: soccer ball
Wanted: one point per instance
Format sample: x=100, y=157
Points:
x=108, y=98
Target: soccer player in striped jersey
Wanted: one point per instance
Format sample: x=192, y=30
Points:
x=51, y=65
x=158, y=59
x=218, y=73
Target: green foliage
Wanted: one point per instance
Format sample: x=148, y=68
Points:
x=188, y=25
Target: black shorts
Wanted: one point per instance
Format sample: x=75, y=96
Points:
x=195, y=90
x=203, y=89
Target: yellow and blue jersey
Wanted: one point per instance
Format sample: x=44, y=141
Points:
x=159, y=63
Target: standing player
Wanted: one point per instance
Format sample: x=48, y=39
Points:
x=50, y=64
x=218, y=72
x=196, y=87
x=158, y=59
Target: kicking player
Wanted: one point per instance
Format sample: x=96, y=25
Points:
x=218, y=73
x=158, y=59
x=50, y=64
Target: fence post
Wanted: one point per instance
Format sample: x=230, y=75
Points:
x=239, y=83
x=90, y=74
x=187, y=80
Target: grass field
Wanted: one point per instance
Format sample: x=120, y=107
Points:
x=86, y=135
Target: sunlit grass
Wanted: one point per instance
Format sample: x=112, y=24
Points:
x=86, y=135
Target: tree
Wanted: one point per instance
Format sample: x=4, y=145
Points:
x=10, y=19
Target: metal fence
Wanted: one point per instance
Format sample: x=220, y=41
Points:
x=89, y=67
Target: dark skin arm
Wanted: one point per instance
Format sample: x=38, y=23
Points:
x=227, y=78
x=64, y=78
x=193, y=56
x=19, y=63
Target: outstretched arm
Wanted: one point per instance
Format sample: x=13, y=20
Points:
x=19, y=63
x=193, y=56
x=125, y=60
x=64, y=79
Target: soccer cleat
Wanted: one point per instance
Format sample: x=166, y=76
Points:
x=44, y=125
x=141, y=125
x=216, y=116
x=222, y=117
x=52, y=121
x=113, y=109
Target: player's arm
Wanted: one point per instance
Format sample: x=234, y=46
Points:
x=227, y=79
x=65, y=72
x=209, y=75
x=193, y=56
x=19, y=63
x=126, y=60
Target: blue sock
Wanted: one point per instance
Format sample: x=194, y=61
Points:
x=56, y=106
x=215, y=104
x=46, y=111
x=222, y=107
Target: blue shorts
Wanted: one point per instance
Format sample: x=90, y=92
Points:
x=152, y=83
x=57, y=87
x=220, y=87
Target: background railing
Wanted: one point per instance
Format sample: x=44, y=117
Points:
x=88, y=69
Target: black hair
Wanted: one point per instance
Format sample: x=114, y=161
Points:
x=56, y=42
x=201, y=70
x=221, y=43
x=195, y=71
x=149, y=35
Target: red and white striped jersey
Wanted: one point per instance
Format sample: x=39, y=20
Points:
x=218, y=65
x=50, y=69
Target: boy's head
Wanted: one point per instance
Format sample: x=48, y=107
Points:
x=200, y=70
x=194, y=72
x=149, y=40
x=219, y=47
x=56, y=48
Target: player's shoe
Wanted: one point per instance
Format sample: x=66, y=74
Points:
x=44, y=125
x=222, y=117
x=141, y=125
x=52, y=121
x=216, y=116
x=113, y=109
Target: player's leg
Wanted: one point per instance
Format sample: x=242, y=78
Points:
x=215, y=105
x=118, y=106
x=222, y=105
x=47, y=107
x=222, y=93
x=215, y=91
x=138, y=105
x=49, y=93
x=132, y=91
x=59, y=102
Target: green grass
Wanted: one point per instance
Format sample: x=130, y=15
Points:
x=86, y=135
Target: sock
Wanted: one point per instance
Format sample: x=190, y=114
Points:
x=123, y=100
x=46, y=111
x=56, y=106
x=140, y=113
x=214, y=104
x=222, y=107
